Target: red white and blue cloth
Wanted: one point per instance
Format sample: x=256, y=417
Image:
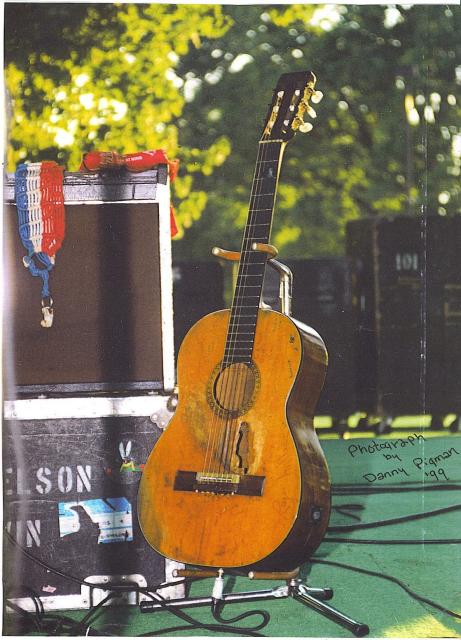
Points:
x=41, y=218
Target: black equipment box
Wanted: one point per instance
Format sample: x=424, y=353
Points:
x=86, y=399
x=70, y=491
x=111, y=286
x=407, y=301
x=321, y=298
x=198, y=289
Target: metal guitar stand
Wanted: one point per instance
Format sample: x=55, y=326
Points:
x=286, y=284
x=294, y=588
x=313, y=597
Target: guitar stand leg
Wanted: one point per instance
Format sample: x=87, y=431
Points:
x=311, y=596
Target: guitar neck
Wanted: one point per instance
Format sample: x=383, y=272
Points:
x=247, y=295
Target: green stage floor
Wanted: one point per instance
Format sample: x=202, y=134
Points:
x=431, y=570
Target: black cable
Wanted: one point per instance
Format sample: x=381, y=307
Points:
x=29, y=617
x=415, y=541
x=211, y=627
x=344, y=510
x=384, y=576
x=192, y=623
x=216, y=611
x=252, y=631
x=363, y=489
x=38, y=604
x=126, y=587
x=86, y=621
x=81, y=581
x=43, y=624
x=382, y=523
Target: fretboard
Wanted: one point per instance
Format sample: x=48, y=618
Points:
x=248, y=289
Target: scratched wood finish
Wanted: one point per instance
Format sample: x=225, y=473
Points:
x=275, y=530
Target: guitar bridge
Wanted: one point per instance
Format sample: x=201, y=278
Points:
x=219, y=483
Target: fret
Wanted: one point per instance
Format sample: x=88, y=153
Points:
x=249, y=286
x=251, y=275
x=261, y=208
x=260, y=217
x=254, y=264
x=235, y=318
x=261, y=178
x=246, y=333
x=236, y=328
x=235, y=344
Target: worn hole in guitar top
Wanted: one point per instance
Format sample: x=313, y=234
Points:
x=234, y=387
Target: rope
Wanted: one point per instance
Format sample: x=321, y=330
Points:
x=41, y=220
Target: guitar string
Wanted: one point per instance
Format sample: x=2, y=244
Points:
x=234, y=325
x=239, y=392
x=239, y=387
x=222, y=431
x=236, y=379
x=215, y=430
x=240, y=379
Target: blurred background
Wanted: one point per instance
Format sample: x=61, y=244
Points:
x=368, y=204
x=195, y=81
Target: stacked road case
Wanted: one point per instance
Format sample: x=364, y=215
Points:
x=407, y=305
x=85, y=401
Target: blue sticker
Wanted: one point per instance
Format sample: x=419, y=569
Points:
x=112, y=515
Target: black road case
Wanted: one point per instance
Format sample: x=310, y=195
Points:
x=407, y=300
x=86, y=399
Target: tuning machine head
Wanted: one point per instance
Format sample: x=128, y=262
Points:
x=316, y=97
x=310, y=111
x=305, y=127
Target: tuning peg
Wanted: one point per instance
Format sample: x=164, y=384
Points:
x=316, y=97
x=310, y=111
x=305, y=127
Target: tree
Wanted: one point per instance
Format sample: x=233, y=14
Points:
x=195, y=79
x=102, y=76
x=367, y=154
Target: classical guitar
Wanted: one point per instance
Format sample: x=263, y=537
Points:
x=238, y=479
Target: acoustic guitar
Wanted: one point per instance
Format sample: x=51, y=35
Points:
x=238, y=478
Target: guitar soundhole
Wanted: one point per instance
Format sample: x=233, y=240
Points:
x=232, y=389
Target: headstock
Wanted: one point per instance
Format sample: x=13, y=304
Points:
x=290, y=101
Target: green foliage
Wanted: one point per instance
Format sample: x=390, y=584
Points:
x=363, y=157
x=195, y=80
x=105, y=80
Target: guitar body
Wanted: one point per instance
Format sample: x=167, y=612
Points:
x=262, y=445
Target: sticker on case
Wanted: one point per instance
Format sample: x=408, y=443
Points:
x=108, y=518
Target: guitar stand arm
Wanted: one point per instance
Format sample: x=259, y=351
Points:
x=294, y=588
x=268, y=249
x=286, y=285
x=284, y=272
